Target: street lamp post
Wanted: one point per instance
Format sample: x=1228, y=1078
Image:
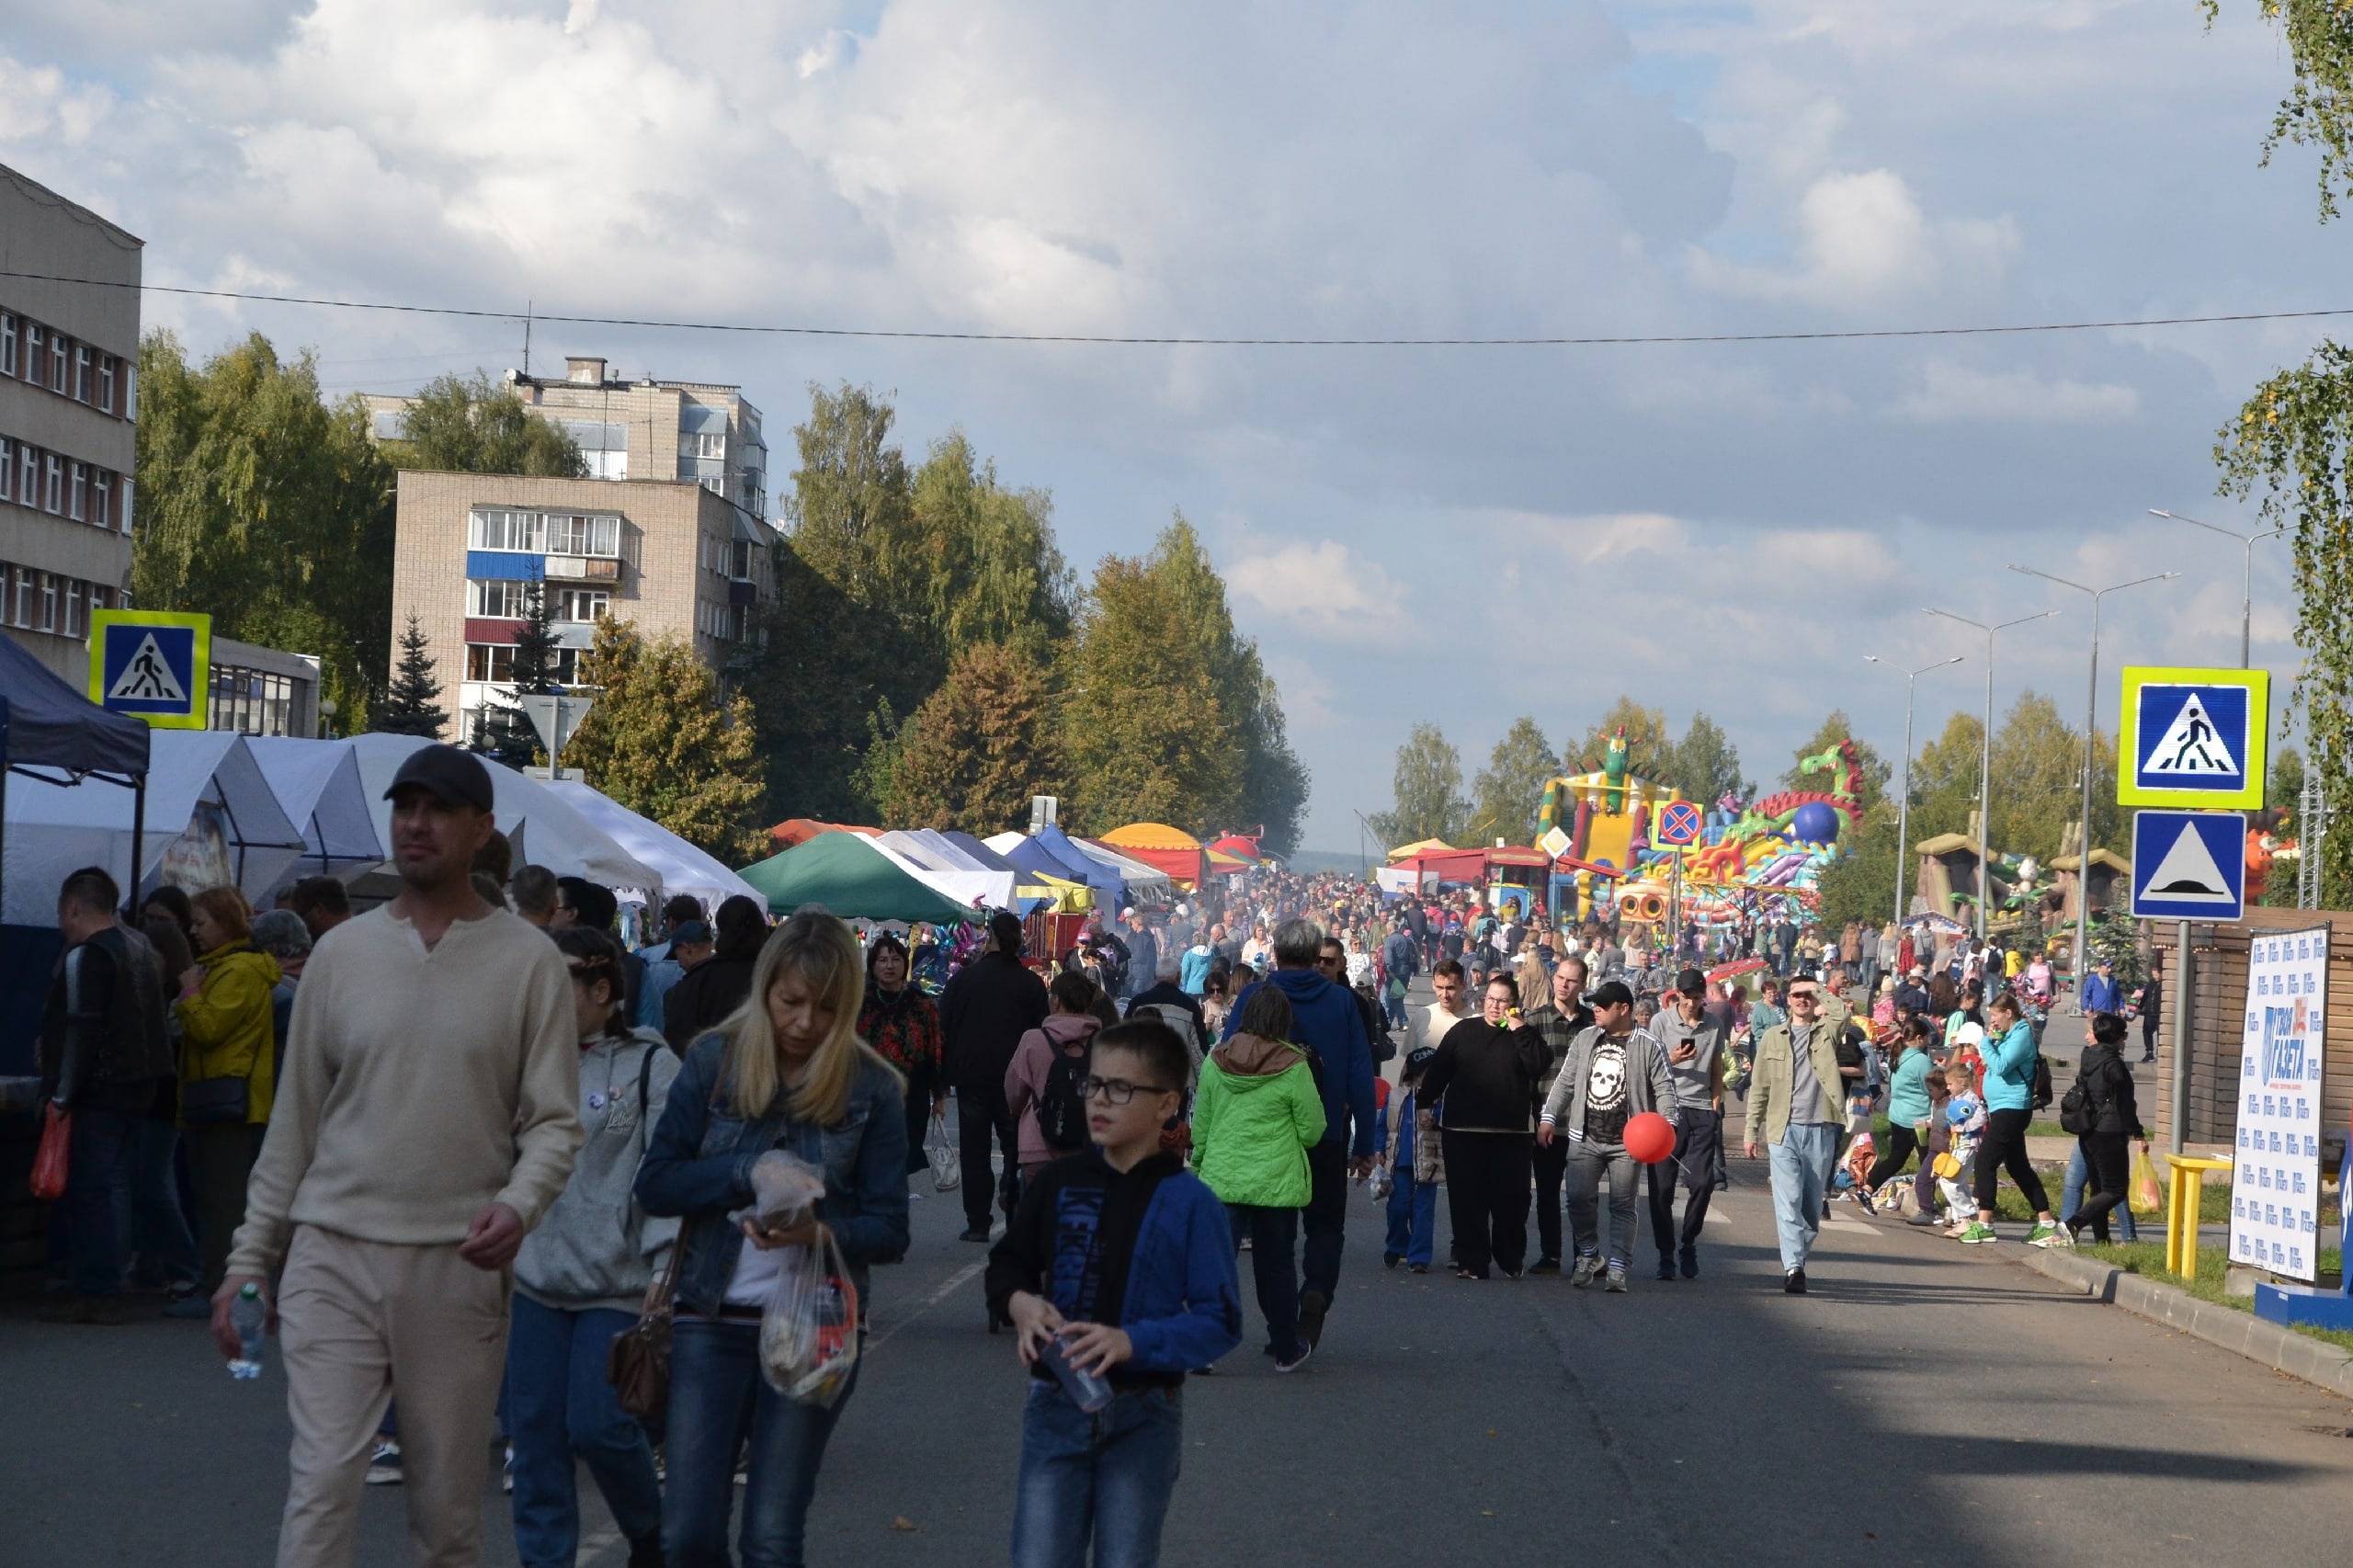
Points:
x=1985, y=759
x=1903, y=804
x=2091, y=713
x=2246, y=605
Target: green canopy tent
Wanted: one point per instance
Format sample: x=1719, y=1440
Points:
x=846, y=873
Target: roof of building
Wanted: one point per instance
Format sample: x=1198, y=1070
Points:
x=34, y=191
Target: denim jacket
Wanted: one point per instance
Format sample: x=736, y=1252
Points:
x=699, y=1167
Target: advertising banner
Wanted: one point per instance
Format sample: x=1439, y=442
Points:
x=2275, y=1185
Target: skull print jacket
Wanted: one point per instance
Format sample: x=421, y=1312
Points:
x=1648, y=1085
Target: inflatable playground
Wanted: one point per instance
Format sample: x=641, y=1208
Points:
x=1761, y=857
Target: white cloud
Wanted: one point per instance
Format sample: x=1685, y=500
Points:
x=1863, y=240
x=1324, y=588
x=38, y=102
x=1949, y=393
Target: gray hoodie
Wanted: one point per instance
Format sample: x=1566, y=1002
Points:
x=596, y=1248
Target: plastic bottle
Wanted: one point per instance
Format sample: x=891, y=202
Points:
x=1088, y=1391
x=250, y=1316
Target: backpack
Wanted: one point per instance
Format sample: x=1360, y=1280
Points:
x=2040, y=1096
x=1061, y=1110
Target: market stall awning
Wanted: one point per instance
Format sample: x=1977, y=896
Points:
x=949, y=870
x=544, y=828
x=318, y=784
x=1237, y=846
x=801, y=830
x=684, y=868
x=46, y=723
x=1150, y=835
x=852, y=876
x=1420, y=846
x=1147, y=870
x=1039, y=856
x=1110, y=884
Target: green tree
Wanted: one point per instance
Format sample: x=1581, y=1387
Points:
x=847, y=511
x=1426, y=789
x=1835, y=728
x=1649, y=747
x=826, y=668
x=1945, y=778
x=1860, y=883
x=666, y=742
x=1508, y=790
x=2038, y=783
x=2318, y=110
x=981, y=561
x=472, y=424
x=980, y=746
x=1704, y=763
x=412, y=704
x=265, y=508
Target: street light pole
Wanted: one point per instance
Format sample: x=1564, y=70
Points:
x=2246, y=605
x=2091, y=715
x=1903, y=804
x=1985, y=757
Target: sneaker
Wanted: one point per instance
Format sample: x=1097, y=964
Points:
x=1389, y=1260
x=1244, y=1246
x=1417, y=1268
x=1976, y=1233
x=1312, y=1305
x=1294, y=1363
x=188, y=1306
x=2045, y=1234
x=506, y=1470
x=1793, y=1282
x=1545, y=1266
x=1617, y=1279
x=1666, y=1269
x=1687, y=1261
x=385, y=1464
x=1924, y=1220
x=975, y=1234
x=1587, y=1266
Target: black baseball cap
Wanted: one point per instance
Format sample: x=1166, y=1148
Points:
x=455, y=777
x=689, y=931
x=1691, y=983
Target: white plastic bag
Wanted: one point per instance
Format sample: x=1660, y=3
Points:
x=809, y=1331
x=940, y=1149
x=785, y=1191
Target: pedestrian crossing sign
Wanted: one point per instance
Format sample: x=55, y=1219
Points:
x=151, y=665
x=2193, y=738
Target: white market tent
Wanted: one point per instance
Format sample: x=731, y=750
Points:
x=683, y=869
x=546, y=829
x=210, y=811
x=939, y=863
x=318, y=784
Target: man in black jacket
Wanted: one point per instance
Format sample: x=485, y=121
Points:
x=986, y=1008
x=706, y=993
x=1560, y=1019
x=104, y=1051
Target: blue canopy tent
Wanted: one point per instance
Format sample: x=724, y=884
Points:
x=1110, y=886
x=51, y=731
x=1032, y=855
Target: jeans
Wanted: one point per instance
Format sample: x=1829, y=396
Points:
x=1693, y=1165
x=2005, y=1148
x=1325, y=1217
x=1588, y=1167
x=2110, y=1167
x=159, y=1228
x=1800, y=1165
x=981, y=1114
x=718, y=1398
x=1106, y=1477
x=1412, y=1220
x=98, y=1157
x=221, y=1159
x=1486, y=1192
x=558, y=1404
x=1550, y=1165
x=1395, y=1003
x=1274, y=1238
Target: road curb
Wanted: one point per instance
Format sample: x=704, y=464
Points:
x=2282, y=1349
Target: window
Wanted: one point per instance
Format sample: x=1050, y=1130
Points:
x=498, y=528
x=24, y=596
x=7, y=485
x=28, y=474
x=83, y=368
x=7, y=345
x=73, y=610
x=77, y=496
x=122, y=504
x=106, y=383
x=60, y=362
x=34, y=368
x=566, y=671
x=490, y=660
x=577, y=535
x=498, y=598
x=101, y=597
x=48, y=602
x=739, y=560
x=102, y=506
x=54, y=497
x=580, y=604
x=253, y=702
x=710, y=443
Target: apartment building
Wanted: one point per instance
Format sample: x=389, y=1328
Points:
x=68, y=352
x=669, y=531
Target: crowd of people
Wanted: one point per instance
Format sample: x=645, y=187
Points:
x=575, y=1125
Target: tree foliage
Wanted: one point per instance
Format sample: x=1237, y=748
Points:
x=265, y=508
x=1506, y=792
x=412, y=704
x=980, y=746
x=1834, y=729
x=1704, y=763
x=2038, y=783
x=1426, y=789
x=666, y=742
x=472, y=425
x=1649, y=745
x=2318, y=110
x=1861, y=884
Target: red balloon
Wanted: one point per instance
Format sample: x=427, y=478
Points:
x=1649, y=1137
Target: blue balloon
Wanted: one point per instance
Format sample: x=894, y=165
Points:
x=1814, y=823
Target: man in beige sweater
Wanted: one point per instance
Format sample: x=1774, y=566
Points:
x=427, y=1119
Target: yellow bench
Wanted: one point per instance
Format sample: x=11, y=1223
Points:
x=2187, y=1182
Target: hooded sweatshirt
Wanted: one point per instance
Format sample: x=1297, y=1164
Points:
x=596, y=1248
x=1257, y=1115
x=1325, y=1018
x=1025, y=1078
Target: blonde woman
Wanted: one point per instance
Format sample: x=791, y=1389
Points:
x=785, y=1070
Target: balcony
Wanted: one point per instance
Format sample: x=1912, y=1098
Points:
x=582, y=569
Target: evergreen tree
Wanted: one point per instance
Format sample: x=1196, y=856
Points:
x=411, y=703
x=980, y=746
x=502, y=732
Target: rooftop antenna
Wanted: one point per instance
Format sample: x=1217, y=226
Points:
x=527, y=338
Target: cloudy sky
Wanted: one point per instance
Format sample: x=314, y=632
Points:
x=1458, y=534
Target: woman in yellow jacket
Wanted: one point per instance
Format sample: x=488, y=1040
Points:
x=227, y=1069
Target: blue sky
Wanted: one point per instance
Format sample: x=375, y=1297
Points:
x=1459, y=535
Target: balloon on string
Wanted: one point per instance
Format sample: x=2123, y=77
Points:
x=1649, y=1137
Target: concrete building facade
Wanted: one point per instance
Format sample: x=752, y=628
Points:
x=68, y=357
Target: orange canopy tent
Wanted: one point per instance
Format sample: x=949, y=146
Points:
x=1162, y=847
x=794, y=831
x=1241, y=846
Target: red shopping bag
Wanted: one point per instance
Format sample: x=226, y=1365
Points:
x=49, y=1161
